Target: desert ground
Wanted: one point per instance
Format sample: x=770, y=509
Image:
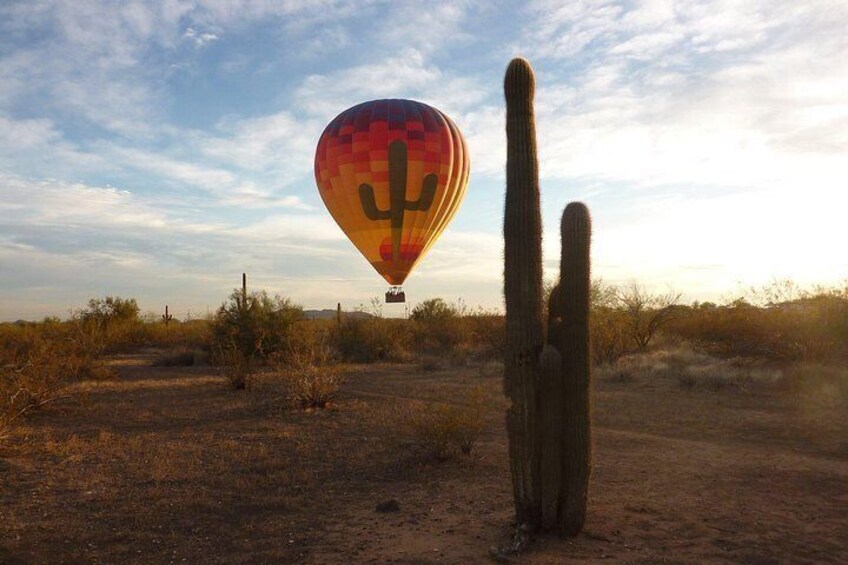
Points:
x=169, y=465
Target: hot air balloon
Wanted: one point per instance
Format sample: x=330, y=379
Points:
x=392, y=173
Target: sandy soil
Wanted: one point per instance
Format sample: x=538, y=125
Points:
x=167, y=465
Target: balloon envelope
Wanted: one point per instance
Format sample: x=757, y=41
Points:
x=392, y=173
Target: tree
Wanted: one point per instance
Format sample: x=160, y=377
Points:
x=111, y=309
x=646, y=312
x=259, y=326
x=433, y=309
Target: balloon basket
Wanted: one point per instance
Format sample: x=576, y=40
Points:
x=395, y=294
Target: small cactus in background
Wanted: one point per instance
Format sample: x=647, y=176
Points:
x=339, y=313
x=166, y=317
x=244, y=291
x=546, y=379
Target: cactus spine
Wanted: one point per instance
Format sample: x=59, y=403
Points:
x=547, y=380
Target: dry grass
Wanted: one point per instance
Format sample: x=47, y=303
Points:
x=164, y=464
x=443, y=430
x=236, y=367
x=181, y=357
x=690, y=368
x=312, y=386
x=40, y=372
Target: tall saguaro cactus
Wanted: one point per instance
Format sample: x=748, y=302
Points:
x=522, y=290
x=547, y=378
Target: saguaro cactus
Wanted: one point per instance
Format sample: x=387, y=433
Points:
x=166, y=317
x=547, y=380
x=244, y=291
x=522, y=290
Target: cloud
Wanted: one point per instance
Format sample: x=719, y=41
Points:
x=407, y=75
x=200, y=39
x=659, y=100
x=207, y=178
x=206, y=114
x=279, y=142
x=74, y=241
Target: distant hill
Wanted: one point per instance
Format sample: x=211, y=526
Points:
x=330, y=314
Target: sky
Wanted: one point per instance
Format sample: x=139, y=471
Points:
x=157, y=150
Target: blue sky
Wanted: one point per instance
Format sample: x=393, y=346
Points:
x=158, y=150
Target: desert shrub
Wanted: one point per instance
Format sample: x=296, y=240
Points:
x=123, y=336
x=439, y=335
x=367, y=340
x=109, y=310
x=609, y=334
x=236, y=367
x=715, y=377
x=257, y=327
x=813, y=328
x=438, y=326
x=645, y=312
x=623, y=319
x=434, y=309
x=310, y=343
x=37, y=367
x=112, y=324
x=432, y=363
x=312, y=386
x=826, y=383
x=177, y=358
x=443, y=430
x=635, y=367
x=690, y=368
x=192, y=334
x=487, y=334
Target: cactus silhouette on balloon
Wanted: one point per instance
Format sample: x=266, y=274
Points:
x=547, y=369
x=398, y=204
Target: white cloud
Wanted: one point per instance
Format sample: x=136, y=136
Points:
x=198, y=38
x=683, y=114
x=279, y=141
x=293, y=228
x=209, y=178
x=407, y=75
x=634, y=99
x=72, y=240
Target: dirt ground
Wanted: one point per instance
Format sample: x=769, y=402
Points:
x=168, y=465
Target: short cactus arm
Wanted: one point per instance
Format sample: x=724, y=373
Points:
x=369, y=204
x=428, y=193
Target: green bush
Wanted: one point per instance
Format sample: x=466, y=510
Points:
x=434, y=309
x=109, y=310
x=257, y=326
x=362, y=339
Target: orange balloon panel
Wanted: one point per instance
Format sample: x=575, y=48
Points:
x=392, y=174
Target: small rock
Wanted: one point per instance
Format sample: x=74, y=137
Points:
x=388, y=506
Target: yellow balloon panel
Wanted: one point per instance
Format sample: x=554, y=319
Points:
x=392, y=173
